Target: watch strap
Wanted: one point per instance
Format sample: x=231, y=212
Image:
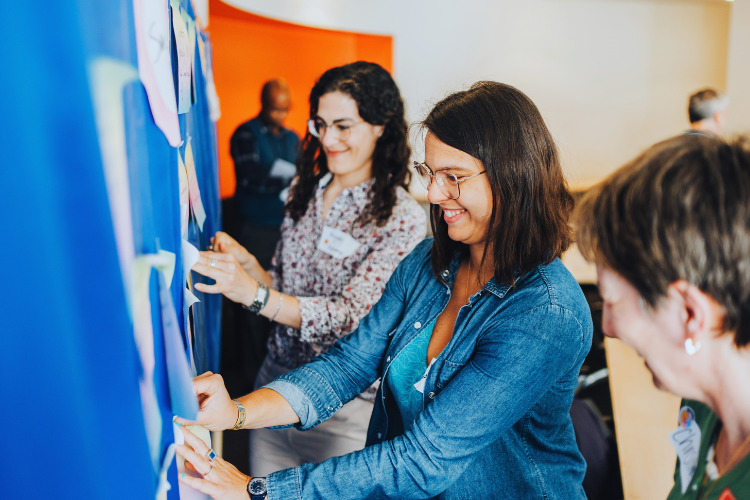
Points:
x=261, y=299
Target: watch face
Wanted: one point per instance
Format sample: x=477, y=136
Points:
x=257, y=486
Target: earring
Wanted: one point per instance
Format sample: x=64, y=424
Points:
x=691, y=349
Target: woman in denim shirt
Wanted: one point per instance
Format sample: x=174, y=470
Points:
x=478, y=337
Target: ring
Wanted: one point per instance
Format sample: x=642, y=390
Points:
x=210, y=455
x=210, y=468
x=213, y=263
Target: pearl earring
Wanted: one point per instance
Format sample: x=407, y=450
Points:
x=690, y=348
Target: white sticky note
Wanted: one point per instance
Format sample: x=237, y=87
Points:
x=186, y=492
x=337, y=243
x=190, y=256
x=686, y=440
x=152, y=37
x=194, y=189
x=201, y=12
x=108, y=77
x=184, y=76
x=166, y=266
x=214, y=110
x=190, y=299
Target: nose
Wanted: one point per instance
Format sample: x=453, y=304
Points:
x=329, y=139
x=434, y=194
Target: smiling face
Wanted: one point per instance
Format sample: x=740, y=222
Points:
x=348, y=157
x=658, y=335
x=468, y=217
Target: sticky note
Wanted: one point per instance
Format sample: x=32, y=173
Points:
x=108, y=78
x=194, y=189
x=186, y=492
x=181, y=394
x=182, y=41
x=152, y=38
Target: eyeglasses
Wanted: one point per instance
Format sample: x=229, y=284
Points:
x=447, y=182
x=318, y=128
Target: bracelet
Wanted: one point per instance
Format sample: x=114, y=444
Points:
x=261, y=299
x=278, y=307
x=240, y=416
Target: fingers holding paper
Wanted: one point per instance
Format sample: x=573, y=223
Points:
x=231, y=279
x=221, y=480
x=217, y=410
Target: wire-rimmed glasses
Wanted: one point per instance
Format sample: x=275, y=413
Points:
x=318, y=128
x=447, y=182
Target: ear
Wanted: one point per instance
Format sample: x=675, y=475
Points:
x=378, y=129
x=700, y=314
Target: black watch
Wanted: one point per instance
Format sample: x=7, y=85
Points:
x=257, y=488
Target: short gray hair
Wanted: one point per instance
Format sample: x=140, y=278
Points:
x=705, y=104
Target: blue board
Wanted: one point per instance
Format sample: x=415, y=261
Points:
x=71, y=418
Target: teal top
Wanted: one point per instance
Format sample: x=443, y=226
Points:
x=408, y=368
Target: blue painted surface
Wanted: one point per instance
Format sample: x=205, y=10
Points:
x=71, y=416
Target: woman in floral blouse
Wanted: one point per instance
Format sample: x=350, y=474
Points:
x=349, y=222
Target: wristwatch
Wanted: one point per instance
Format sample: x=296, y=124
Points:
x=261, y=299
x=257, y=488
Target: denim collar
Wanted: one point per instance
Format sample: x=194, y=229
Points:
x=492, y=286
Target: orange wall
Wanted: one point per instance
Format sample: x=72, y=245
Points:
x=248, y=50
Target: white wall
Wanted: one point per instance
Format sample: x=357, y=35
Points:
x=738, y=71
x=611, y=77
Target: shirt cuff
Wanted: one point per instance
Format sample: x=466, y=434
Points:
x=283, y=485
x=309, y=394
x=299, y=402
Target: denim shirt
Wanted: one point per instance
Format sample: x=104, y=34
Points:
x=496, y=422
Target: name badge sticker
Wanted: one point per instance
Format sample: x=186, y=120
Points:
x=337, y=243
x=686, y=440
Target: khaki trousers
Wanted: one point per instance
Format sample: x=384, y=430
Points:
x=274, y=450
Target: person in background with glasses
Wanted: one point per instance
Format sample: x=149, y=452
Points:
x=349, y=222
x=478, y=338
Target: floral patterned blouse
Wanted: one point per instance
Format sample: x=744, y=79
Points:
x=336, y=293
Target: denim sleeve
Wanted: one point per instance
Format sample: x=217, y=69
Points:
x=501, y=382
x=320, y=388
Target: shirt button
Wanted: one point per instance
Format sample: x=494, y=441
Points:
x=431, y=395
x=388, y=359
x=330, y=408
x=379, y=435
x=445, y=273
x=417, y=325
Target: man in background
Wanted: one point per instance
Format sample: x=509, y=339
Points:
x=707, y=110
x=264, y=154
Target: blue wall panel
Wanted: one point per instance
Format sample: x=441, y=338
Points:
x=72, y=416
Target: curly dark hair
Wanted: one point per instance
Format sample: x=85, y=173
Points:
x=379, y=102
